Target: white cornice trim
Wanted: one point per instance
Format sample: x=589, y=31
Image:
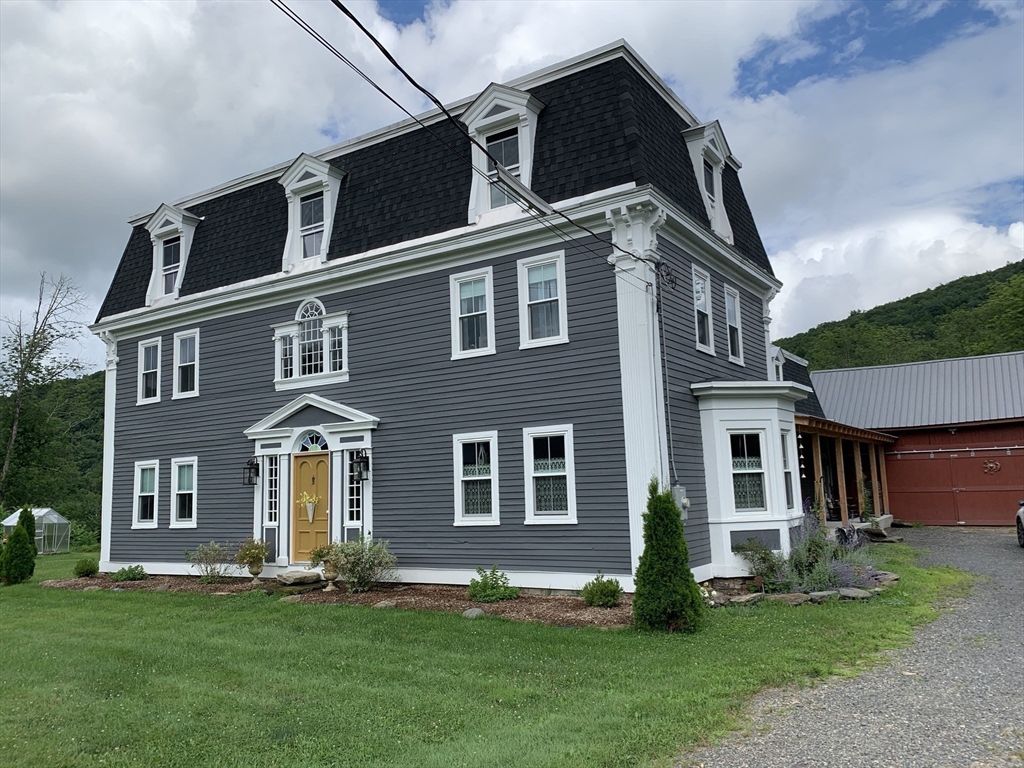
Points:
x=784, y=390
x=617, y=49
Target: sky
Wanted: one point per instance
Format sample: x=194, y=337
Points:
x=882, y=143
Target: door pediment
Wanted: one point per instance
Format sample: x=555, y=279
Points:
x=312, y=412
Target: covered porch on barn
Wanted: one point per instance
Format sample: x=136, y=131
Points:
x=842, y=470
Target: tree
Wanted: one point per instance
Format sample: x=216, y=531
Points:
x=667, y=596
x=19, y=557
x=34, y=355
x=28, y=521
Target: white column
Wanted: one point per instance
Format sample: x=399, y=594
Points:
x=634, y=230
x=109, y=403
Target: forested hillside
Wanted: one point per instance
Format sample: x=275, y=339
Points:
x=976, y=315
x=58, y=457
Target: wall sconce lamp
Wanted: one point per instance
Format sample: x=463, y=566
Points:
x=361, y=466
x=251, y=472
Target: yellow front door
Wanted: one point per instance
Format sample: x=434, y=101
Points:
x=311, y=475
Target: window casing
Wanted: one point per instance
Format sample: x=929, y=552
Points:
x=354, y=502
x=146, y=494
x=747, y=471
x=183, y=492
x=186, y=364
x=271, y=490
x=149, y=371
x=475, y=457
x=550, y=475
x=733, y=325
x=472, y=313
x=787, y=472
x=702, y=319
x=503, y=147
x=313, y=349
x=171, y=248
x=311, y=225
x=543, y=314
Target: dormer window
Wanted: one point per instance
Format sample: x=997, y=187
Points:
x=170, y=230
x=710, y=153
x=312, y=188
x=504, y=120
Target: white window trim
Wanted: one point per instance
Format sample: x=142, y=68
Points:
x=177, y=394
x=175, y=463
x=523, y=266
x=766, y=449
x=698, y=142
x=139, y=466
x=730, y=291
x=169, y=221
x=710, y=347
x=488, y=275
x=265, y=481
x=282, y=330
x=461, y=519
x=532, y=518
x=140, y=400
x=325, y=178
x=521, y=110
x=787, y=456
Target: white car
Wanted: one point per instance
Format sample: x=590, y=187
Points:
x=1020, y=523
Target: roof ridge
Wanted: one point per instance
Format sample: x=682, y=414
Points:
x=917, y=362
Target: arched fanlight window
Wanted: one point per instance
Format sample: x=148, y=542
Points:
x=311, y=338
x=313, y=347
x=312, y=441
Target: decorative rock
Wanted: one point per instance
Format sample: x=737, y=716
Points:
x=162, y=588
x=791, y=598
x=753, y=597
x=877, y=590
x=821, y=597
x=885, y=577
x=720, y=599
x=385, y=604
x=222, y=594
x=290, y=578
x=472, y=613
x=850, y=593
x=91, y=589
x=290, y=599
x=117, y=589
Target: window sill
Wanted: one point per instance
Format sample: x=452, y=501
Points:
x=551, y=521
x=549, y=342
x=148, y=402
x=736, y=360
x=189, y=524
x=474, y=523
x=706, y=350
x=144, y=526
x=184, y=395
x=319, y=379
x=473, y=353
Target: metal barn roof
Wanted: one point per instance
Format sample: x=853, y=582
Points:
x=931, y=393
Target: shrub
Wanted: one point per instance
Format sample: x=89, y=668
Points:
x=130, y=573
x=491, y=587
x=19, y=556
x=28, y=521
x=252, y=552
x=602, y=592
x=211, y=560
x=364, y=562
x=83, y=536
x=667, y=596
x=86, y=567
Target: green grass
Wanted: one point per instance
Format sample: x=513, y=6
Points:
x=136, y=678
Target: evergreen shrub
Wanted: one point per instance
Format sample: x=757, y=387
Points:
x=19, y=557
x=667, y=596
x=86, y=567
x=28, y=521
x=602, y=592
x=130, y=573
x=491, y=587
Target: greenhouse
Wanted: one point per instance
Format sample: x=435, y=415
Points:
x=53, y=530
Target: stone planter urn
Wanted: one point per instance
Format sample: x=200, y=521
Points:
x=330, y=574
x=255, y=569
x=310, y=509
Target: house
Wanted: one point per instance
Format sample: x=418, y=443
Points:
x=378, y=338
x=956, y=456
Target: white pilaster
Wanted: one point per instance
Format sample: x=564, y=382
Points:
x=634, y=230
x=109, y=402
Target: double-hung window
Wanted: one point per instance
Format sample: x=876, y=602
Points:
x=183, y=492
x=311, y=215
x=186, y=364
x=702, y=311
x=472, y=311
x=709, y=185
x=313, y=349
x=503, y=147
x=149, y=371
x=543, y=315
x=171, y=264
x=747, y=471
x=732, y=321
x=476, y=478
x=147, y=479
x=550, y=475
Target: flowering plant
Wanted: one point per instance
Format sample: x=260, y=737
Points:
x=308, y=498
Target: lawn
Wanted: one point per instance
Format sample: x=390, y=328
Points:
x=160, y=679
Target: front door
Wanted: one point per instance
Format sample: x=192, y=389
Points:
x=311, y=473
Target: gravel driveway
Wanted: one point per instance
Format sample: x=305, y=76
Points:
x=953, y=699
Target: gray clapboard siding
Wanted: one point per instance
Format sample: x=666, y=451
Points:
x=401, y=372
x=686, y=364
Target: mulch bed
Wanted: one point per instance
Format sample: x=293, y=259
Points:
x=561, y=611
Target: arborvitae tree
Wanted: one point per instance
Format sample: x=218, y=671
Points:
x=19, y=557
x=28, y=521
x=667, y=596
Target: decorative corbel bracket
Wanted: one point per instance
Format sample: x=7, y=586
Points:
x=109, y=339
x=635, y=230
